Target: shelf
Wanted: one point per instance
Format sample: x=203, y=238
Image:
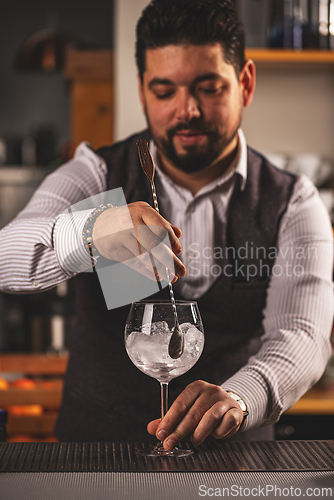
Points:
x=33, y=364
x=48, y=398
x=41, y=425
x=291, y=58
x=48, y=395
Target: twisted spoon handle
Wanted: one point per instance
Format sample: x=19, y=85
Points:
x=169, y=276
x=176, y=344
x=155, y=198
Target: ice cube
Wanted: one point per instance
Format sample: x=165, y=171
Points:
x=150, y=351
x=152, y=348
x=193, y=341
x=185, y=327
x=159, y=328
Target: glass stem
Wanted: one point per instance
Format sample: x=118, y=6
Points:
x=164, y=399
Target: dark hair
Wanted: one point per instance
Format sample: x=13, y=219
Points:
x=191, y=22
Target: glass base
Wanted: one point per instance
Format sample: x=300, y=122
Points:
x=159, y=451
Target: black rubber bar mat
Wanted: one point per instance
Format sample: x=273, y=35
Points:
x=122, y=457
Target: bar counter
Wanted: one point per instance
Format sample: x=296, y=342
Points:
x=271, y=469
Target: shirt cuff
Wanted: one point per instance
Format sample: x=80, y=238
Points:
x=69, y=247
x=252, y=392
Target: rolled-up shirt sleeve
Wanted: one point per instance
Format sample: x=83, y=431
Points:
x=31, y=259
x=298, y=315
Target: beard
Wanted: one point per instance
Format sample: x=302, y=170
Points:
x=195, y=157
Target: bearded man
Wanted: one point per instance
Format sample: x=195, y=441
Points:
x=267, y=311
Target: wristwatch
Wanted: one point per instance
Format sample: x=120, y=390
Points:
x=241, y=403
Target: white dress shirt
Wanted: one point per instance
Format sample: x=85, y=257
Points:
x=299, y=309
x=195, y=216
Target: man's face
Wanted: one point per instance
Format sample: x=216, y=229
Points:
x=193, y=103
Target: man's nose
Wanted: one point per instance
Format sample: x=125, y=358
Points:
x=187, y=106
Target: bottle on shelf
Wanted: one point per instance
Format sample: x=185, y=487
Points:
x=302, y=24
x=323, y=24
x=331, y=24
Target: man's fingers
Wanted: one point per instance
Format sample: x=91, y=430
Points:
x=156, y=239
x=178, y=409
x=187, y=411
x=143, y=231
x=211, y=419
x=152, y=426
x=129, y=251
x=177, y=231
x=137, y=243
x=220, y=421
x=137, y=265
x=158, y=223
x=164, y=257
x=202, y=418
x=202, y=408
x=186, y=425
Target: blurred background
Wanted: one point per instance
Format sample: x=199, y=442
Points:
x=67, y=74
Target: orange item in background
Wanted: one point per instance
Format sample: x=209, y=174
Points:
x=3, y=384
x=24, y=383
x=25, y=410
x=20, y=438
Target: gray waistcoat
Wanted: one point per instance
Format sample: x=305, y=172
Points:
x=106, y=397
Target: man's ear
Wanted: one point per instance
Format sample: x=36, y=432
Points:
x=247, y=82
x=141, y=94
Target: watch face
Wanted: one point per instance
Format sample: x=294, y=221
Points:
x=239, y=401
x=242, y=404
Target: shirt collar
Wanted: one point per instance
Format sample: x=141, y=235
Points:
x=240, y=166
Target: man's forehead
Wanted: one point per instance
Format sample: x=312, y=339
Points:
x=211, y=51
x=185, y=62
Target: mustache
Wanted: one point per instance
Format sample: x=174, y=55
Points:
x=195, y=125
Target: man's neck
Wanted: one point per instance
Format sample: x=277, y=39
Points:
x=194, y=182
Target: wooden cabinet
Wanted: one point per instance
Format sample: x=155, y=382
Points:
x=91, y=93
x=48, y=372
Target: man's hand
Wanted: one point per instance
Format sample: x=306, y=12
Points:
x=133, y=233
x=202, y=408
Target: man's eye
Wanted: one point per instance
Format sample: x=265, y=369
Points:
x=165, y=95
x=206, y=90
